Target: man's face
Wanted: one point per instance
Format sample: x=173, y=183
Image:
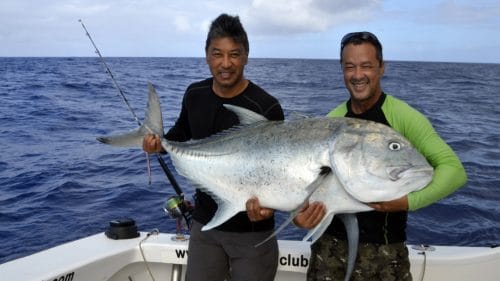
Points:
x=362, y=72
x=226, y=60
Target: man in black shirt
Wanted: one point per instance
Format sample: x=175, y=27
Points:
x=231, y=245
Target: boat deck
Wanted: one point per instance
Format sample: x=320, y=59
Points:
x=99, y=258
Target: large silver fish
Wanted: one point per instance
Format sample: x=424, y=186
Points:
x=342, y=162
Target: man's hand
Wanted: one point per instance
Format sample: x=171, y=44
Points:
x=255, y=212
x=397, y=205
x=310, y=215
x=152, y=143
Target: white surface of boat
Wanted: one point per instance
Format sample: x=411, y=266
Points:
x=98, y=258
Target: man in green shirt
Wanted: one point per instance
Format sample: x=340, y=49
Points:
x=382, y=253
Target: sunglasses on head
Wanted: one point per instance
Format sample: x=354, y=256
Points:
x=362, y=36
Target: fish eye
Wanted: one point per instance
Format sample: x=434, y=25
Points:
x=394, y=146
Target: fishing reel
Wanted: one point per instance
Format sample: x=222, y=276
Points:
x=182, y=210
x=177, y=207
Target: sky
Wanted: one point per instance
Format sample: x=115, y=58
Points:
x=430, y=30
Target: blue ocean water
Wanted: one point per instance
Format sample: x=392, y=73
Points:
x=57, y=183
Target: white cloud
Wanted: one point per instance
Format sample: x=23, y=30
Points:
x=182, y=24
x=303, y=16
x=277, y=28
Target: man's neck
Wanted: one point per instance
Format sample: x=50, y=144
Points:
x=230, y=92
x=361, y=106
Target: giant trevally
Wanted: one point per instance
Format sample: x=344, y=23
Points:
x=342, y=162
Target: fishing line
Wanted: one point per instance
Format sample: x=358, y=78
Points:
x=108, y=70
x=184, y=206
x=122, y=95
x=163, y=165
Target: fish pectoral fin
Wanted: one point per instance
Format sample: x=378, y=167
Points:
x=225, y=211
x=310, y=189
x=323, y=174
x=319, y=229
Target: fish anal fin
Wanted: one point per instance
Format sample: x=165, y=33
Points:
x=225, y=211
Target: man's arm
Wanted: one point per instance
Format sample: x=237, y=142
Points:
x=449, y=174
x=310, y=215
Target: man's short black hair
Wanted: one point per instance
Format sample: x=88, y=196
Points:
x=228, y=26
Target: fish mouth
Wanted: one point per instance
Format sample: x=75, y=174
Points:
x=397, y=173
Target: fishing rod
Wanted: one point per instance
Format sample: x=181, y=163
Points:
x=175, y=206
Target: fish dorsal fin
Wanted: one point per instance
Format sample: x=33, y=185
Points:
x=247, y=119
x=190, y=148
x=245, y=116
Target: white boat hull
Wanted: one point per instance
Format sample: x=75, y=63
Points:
x=98, y=258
